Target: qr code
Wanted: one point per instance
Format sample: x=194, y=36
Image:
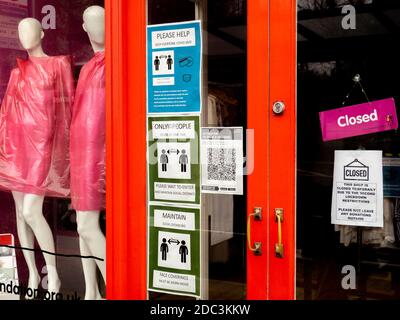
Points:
x=221, y=164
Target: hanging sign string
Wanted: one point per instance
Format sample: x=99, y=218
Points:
x=357, y=83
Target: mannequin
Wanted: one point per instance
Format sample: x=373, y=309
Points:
x=32, y=144
x=88, y=153
x=94, y=26
x=31, y=35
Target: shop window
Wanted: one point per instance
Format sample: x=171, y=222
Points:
x=31, y=240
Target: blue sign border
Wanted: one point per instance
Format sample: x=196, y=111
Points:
x=183, y=95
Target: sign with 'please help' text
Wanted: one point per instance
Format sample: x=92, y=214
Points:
x=357, y=120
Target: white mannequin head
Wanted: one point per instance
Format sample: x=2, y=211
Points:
x=94, y=25
x=31, y=34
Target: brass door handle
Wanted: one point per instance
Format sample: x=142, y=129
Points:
x=279, y=248
x=257, y=215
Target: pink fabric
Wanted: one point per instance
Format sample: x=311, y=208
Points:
x=34, y=127
x=88, y=138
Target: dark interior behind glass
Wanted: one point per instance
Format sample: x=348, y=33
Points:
x=328, y=59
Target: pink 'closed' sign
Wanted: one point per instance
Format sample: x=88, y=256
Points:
x=360, y=119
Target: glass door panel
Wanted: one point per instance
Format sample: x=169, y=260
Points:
x=335, y=44
x=224, y=23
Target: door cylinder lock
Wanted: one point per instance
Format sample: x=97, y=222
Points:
x=279, y=107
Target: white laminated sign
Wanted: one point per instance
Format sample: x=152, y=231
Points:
x=222, y=160
x=357, y=198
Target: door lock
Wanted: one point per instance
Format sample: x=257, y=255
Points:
x=257, y=215
x=279, y=107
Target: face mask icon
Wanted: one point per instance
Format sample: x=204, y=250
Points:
x=186, y=62
x=187, y=77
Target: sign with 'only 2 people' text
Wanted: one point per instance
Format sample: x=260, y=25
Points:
x=174, y=62
x=173, y=159
x=357, y=120
x=357, y=198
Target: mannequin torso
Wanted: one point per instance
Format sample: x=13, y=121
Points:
x=88, y=167
x=35, y=115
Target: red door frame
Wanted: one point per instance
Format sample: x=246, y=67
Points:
x=258, y=114
x=272, y=38
x=272, y=43
x=126, y=149
x=282, y=145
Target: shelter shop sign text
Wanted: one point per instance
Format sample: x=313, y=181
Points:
x=357, y=198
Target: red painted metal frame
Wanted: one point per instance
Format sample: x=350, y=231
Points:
x=258, y=114
x=282, y=146
x=126, y=149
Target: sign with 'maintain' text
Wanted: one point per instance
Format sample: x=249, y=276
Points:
x=174, y=250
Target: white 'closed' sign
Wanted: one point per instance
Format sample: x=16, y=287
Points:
x=357, y=198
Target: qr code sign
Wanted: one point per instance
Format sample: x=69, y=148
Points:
x=221, y=164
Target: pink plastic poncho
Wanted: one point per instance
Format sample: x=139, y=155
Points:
x=88, y=138
x=34, y=127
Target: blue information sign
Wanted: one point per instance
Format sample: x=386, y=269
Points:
x=174, y=53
